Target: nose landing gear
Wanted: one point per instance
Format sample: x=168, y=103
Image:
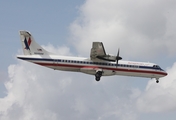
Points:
x=157, y=80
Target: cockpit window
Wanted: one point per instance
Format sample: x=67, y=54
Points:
x=156, y=66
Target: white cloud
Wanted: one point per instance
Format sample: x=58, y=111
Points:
x=35, y=92
x=59, y=50
x=138, y=28
x=143, y=28
x=159, y=97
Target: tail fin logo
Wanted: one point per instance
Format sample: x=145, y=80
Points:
x=27, y=43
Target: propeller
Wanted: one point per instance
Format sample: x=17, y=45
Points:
x=118, y=57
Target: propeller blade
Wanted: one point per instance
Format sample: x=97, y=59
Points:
x=118, y=57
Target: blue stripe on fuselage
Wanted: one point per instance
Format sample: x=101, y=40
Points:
x=87, y=62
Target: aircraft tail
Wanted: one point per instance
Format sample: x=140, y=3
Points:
x=30, y=47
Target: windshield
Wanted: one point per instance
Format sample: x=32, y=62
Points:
x=156, y=66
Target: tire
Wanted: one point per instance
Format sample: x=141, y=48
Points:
x=97, y=78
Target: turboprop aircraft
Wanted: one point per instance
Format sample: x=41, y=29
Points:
x=99, y=64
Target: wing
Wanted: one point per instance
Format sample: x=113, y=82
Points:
x=98, y=53
x=97, y=50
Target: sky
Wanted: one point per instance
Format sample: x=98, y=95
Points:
x=143, y=30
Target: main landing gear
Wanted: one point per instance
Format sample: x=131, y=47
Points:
x=157, y=80
x=98, y=75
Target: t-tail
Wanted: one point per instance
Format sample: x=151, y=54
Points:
x=30, y=47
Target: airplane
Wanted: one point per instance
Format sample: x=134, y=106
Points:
x=99, y=64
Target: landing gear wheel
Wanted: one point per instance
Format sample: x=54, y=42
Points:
x=97, y=78
x=98, y=75
x=157, y=80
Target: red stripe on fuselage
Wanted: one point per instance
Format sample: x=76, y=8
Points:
x=107, y=68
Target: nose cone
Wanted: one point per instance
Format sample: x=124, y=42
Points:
x=165, y=73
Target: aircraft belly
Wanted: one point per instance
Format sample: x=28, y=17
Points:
x=108, y=72
x=59, y=67
x=133, y=74
x=68, y=69
x=92, y=71
x=138, y=74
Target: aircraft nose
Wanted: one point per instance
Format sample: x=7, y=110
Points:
x=165, y=73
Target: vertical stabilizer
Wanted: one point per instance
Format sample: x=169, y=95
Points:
x=30, y=47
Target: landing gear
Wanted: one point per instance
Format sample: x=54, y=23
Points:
x=97, y=78
x=157, y=80
x=98, y=75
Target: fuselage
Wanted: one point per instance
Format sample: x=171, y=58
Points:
x=85, y=65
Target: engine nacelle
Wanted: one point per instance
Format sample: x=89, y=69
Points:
x=107, y=58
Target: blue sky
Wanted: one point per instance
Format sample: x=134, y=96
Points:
x=42, y=18
x=144, y=31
